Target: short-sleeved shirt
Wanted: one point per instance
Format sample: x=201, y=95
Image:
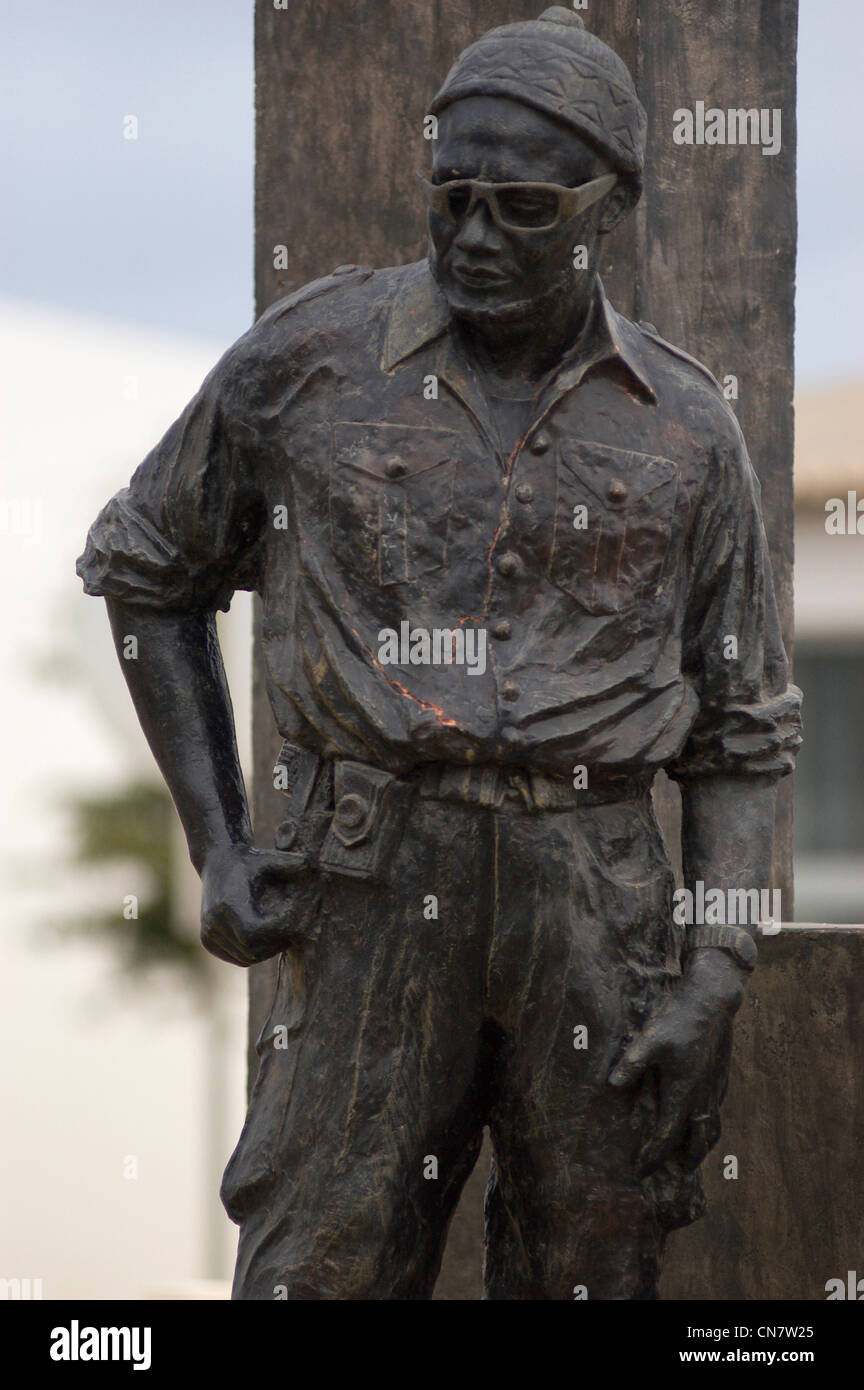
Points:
x=344, y=461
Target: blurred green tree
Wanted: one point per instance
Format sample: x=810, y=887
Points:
x=136, y=825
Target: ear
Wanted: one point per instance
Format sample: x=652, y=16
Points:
x=617, y=205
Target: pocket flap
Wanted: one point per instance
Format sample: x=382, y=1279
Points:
x=619, y=478
x=368, y=820
x=389, y=453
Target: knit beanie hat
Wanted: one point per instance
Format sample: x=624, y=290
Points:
x=555, y=65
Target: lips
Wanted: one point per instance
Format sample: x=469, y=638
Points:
x=477, y=277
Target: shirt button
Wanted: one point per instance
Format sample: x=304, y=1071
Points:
x=287, y=833
x=351, y=811
x=510, y=692
x=395, y=468
x=508, y=563
x=525, y=492
x=616, y=491
x=502, y=631
x=540, y=443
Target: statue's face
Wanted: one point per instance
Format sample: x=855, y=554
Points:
x=483, y=269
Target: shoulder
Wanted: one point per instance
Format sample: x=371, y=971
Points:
x=307, y=302
x=692, y=401
x=339, y=312
x=667, y=349
x=310, y=308
x=692, y=384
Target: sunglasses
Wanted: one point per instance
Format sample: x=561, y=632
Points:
x=517, y=207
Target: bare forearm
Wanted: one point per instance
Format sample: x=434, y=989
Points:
x=176, y=677
x=727, y=838
x=728, y=832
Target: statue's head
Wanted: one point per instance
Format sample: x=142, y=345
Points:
x=542, y=102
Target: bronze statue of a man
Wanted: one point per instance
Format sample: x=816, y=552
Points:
x=502, y=537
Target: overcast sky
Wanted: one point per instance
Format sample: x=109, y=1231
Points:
x=158, y=231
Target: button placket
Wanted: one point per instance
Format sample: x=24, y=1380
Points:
x=519, y=520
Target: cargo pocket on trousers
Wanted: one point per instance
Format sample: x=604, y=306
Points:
x=635, y=882
x=626, y=844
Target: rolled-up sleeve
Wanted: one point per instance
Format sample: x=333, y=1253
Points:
x=184, y=534
x=749, y=719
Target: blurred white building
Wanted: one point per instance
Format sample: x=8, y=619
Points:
x=829, y=655
x=100, y=1079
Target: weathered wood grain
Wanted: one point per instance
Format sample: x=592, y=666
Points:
x=341, y=91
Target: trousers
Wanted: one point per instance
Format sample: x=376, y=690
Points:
x=494, y=981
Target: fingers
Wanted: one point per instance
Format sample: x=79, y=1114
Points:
x=702, y=1134
x=632, y=1066
x=704, y=1127
x=222, y=934
x=671, y=1118
x=269, y=936
x=224, y=947
x=277, y=865
x=246, y=918
x=246, y=941
x=229, y=957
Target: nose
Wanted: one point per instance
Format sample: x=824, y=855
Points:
x=478, y=232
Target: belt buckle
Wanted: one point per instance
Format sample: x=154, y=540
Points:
x=520, y=787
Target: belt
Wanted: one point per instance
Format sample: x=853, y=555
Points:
x=358, y=810
x=495, y=786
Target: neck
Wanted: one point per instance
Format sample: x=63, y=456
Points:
x=526, y=345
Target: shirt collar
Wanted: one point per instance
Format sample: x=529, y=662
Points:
x=420, y=314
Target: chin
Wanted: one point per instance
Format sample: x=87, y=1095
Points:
x=477, y=305
x=503, y=303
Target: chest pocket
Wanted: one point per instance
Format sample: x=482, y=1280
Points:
x=622, y=504
x=391, y=491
